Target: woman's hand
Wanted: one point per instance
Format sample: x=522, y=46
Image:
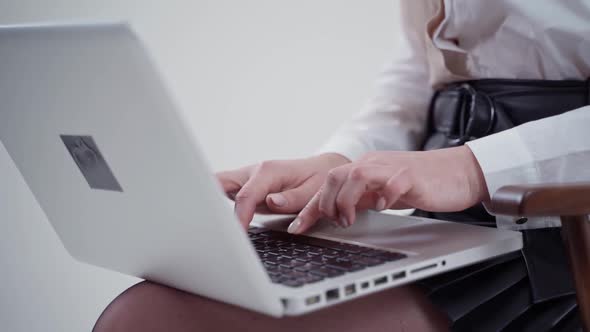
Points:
x=439, y=181
x=281, y=186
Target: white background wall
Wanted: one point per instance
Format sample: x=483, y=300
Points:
x=260, y=79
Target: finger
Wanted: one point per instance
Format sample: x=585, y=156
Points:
x=293, y=200
x=369, y=201
x=249, y=197
x=232, y=181
x=361, y=180
x=308, y=216
x=264, y=181
x=330, y=189
x=395, y=188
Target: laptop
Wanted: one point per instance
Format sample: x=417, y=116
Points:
x=92, y=129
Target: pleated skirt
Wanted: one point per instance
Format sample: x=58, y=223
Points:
x=529, y=290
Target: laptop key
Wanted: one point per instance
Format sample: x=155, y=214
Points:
x=283, y=259
x=296, y=274
x=305, y=267
x=353, y=257
x=284, y=268
x=333, y=252
x=256, y=230
x=316, y=250
x=319, y=260
x=391, y=256
x=324, y=271
x=299, y=255
x=292, y=283
x=340, y=264
x=270, y=258
x=273, y=273
x=353, y=250
x=279, y=279
x=310, y=278
x=371, y=252
x=292, y=264
x=370, y=261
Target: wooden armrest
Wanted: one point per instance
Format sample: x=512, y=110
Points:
x=542, y=200
x=572, y=203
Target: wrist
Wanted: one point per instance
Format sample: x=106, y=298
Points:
x=476, y=178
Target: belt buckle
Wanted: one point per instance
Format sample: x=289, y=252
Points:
x=467, y=114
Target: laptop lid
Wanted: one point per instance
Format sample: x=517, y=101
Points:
x=87, y=121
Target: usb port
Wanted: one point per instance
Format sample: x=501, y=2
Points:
x=365, y=285
x=312, y=300
x=332, y=294
x=398, y=275
x=380, y=281
x=350, y=289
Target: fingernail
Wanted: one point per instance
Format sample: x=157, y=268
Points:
x=344, y=221
x=380, y=204
x=278, y=200
x=294, y=226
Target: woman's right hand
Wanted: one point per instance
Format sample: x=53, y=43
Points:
x=280, y=186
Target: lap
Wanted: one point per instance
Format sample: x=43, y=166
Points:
x=151, y=307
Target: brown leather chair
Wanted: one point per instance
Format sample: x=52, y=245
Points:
x=571, y=202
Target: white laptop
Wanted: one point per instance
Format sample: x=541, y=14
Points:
x=88, y=122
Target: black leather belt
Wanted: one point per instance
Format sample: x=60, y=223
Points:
x=464, y=111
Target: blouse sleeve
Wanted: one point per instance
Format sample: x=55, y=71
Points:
x=395, y=117
x=551, y=150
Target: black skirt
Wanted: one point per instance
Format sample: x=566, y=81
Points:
x=511, y=292
x=530, y=290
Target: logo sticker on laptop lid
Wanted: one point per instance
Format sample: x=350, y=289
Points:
x=91, y=163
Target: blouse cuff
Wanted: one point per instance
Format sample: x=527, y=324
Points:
x=504, y=154
x=505, y=160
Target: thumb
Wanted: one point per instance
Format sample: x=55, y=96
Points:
x=295, y=199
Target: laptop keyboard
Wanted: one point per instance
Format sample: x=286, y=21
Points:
x=295, y=260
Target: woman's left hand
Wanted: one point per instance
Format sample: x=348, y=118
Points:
x=439, y=181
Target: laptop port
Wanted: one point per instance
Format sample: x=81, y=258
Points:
x=423, y=268
x=350, y=289
x=380, y=281
x=332, y=294
x=398, y=275
x=312, y=300
x=365, y=285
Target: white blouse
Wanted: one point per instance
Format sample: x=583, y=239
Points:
x=440, y=42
